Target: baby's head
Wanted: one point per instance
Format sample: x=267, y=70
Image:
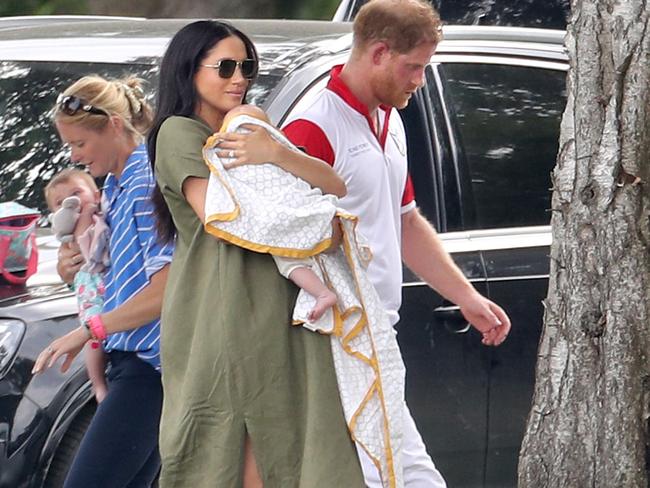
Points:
x=71, y=182
x=250, y=110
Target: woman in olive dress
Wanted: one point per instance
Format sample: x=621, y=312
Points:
x=249, y=399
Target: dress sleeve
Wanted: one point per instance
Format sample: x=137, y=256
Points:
x=179, y=152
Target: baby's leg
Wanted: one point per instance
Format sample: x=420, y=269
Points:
x=306, y=279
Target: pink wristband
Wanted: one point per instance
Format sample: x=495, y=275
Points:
x=97, y=328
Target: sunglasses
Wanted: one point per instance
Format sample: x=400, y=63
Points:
x=226, y=68
x=70, y=105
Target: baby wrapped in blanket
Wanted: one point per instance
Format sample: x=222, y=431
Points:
x=266, y=209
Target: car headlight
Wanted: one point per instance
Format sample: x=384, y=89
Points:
x=11, y=333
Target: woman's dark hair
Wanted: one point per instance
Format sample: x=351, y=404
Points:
x=177, y=94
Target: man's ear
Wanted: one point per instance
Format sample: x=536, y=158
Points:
x=378, y=51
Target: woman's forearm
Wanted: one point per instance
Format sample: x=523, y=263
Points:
x=139, y=309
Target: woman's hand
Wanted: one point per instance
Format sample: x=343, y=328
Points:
x=254, y=147
x=69, y=346
x=258, y=146
x=70, y=261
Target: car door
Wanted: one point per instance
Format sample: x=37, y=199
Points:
x=508, y=113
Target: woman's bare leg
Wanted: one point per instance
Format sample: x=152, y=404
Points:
x=252, y=477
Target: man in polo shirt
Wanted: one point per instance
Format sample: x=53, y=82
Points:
x=353, y=126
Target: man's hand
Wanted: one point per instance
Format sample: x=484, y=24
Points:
x=486, y=317
x=70, y=261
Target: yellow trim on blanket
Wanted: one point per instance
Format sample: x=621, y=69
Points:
x=364, y=402
x=352, y=426
x=229, y=216
x=355, y=222
x=263, y=248
x=373, y=363
x=209, y=145
x=338, y=324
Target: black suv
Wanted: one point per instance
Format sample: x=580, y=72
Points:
x=482, y=138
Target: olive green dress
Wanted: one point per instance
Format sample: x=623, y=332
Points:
x=231, y=361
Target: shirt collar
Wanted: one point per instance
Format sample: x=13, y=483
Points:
x=131, y=167
x=338, y=86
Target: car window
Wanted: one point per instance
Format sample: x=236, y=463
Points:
x=31, y=149
x=509, y=119
x=426, y=144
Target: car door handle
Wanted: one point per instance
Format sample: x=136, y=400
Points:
x=453, y=320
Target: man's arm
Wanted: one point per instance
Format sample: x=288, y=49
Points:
x=424, y=254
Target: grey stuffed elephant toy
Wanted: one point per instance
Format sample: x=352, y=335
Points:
x=65, y=219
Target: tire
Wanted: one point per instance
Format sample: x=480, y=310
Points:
x=68, y=447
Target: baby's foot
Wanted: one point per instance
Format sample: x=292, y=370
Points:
x=324, y=301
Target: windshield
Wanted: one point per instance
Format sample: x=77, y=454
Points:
x=31, y=149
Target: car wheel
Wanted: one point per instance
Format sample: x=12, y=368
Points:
x=68, y=447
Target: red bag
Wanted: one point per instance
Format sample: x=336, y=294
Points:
x=18, y=251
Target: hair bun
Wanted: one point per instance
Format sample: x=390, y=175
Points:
x=134, y=95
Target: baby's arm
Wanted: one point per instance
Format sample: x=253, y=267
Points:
x=305, y=278
x=300, y=272
x=96, y=367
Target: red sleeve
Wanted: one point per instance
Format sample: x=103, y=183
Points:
x=310, y=137
x=409, y=193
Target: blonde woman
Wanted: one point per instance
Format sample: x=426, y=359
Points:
x=104, y=122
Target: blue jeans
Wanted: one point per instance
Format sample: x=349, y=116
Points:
x=120, y=448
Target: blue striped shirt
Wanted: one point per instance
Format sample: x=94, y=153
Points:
x=134, y=251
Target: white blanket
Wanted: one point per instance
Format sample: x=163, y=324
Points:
x=266, y=209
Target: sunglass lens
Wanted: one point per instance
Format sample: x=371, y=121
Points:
x=70, y=105
x=248, y=68
x=227, y=68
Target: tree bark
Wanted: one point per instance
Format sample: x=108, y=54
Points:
x=588, y=426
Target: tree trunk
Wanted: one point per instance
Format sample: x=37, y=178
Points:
x=588, y=426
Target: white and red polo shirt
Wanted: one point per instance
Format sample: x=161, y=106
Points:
x=337, y=128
